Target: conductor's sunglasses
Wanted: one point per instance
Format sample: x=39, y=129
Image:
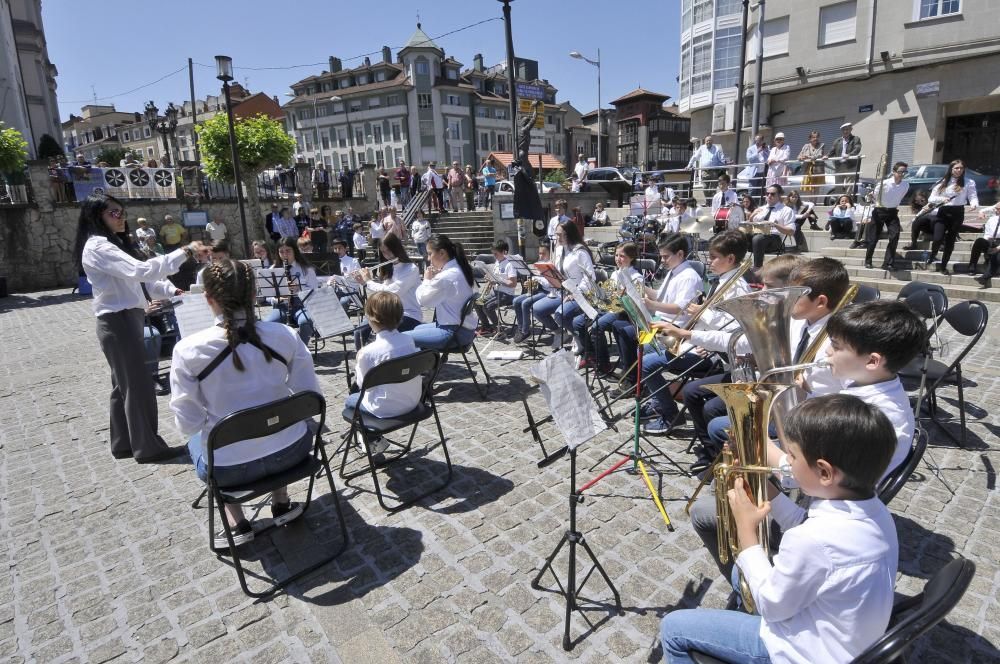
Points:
x=117, y=213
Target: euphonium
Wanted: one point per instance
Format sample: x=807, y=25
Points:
x=673, y=342
x=748, y=406
x=605, y=296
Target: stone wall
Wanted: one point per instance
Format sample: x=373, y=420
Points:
x=508, y=228
x=37, y=240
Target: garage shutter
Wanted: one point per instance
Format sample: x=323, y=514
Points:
x=798, y=135
x=902, y=136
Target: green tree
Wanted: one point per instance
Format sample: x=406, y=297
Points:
x=261, y=143
x=48, y=147
x=13, y=151
x=111, y=156
x=555, y=175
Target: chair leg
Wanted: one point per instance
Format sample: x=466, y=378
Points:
x=961, y=403
x=475, y=382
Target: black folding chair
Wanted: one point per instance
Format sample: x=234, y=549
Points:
x=454, y=346
x=894, y=481
x=967, y=319
x=867, y=293
x=916, y=286
x=256, y=422
x=912, y=617
x=400, y=370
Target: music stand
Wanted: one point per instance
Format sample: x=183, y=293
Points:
x=522, y=267
x=573, y=410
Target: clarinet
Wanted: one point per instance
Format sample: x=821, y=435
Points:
x=293, y=300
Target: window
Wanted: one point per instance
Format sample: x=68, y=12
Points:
x=380, y=76
x=455, y=129
x=456, y=154
x=702, y=11
x=558, y=124
x=321, y=111
x=685, y=14
x=149, y=151
x=345, y=162
x=392, y=100
x=125, y=137
x=361, y=158
x=726, y=7
x=501, y=114
x=701, y=72
x=359, y=136
x=355, y=106
x=451, y=73
x=423, y=100
x=501, y=142
x=453, y=100
x=775, y=39
x=686, y=70
x=374, y=102
x=326, y=142
x=145, y=132
x=484, y=140
x=396, y=132
x=727, y=58
x=548, y=145
x=837, y=23
x=342, y=138
x=377, y=133
x=338, y=107
x=426, y=127
x=362, y=79
x=397, y=155
x=422, y=67
x=932, y=8
x=379, y=159
x=482, y=112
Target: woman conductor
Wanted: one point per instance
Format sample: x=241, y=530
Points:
x=123, y=283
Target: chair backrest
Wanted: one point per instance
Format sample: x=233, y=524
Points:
x=265, y=420
x=401, y=369
x=867, y=293
x=968, y=319
x=894, y=481
x=915, y=286
x=914, y=617
x=488, y=259
x=645, y=265
x=601, y=274
x=698, y=267
x=928, y=303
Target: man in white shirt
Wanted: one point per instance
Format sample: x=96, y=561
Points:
x=299, y=206
x=216, y=229
x=782, y=222
x=888, y=195
x=581, y=168
x=432, y=181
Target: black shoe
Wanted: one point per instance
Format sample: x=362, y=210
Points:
x=162, y=386
x=520, y=336
x=242, y=533
x=889, y=266
x=943, y=269
x=167, y=455
x=985, y=280
x=282, y=513
x=972, y=268
x=121, y=455
x=910, y=247
x=869, y=265
x=813, y=226
x=648, y=412
x=856, y=245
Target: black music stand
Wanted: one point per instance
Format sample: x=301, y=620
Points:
x=574, y=537
x=520, y=263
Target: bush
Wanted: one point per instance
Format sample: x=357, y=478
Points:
x=13, y=150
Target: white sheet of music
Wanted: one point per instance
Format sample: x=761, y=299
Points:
x=193, y=313
x=575, y=288
x=324, y=308
x=570, y=402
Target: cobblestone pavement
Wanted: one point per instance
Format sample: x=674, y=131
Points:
x=106, y=560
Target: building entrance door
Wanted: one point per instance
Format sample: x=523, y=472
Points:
x=975, y=139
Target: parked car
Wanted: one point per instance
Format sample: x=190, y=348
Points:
x=616, y=182
x=925, y=176
x=507, y=187
x=827, y=191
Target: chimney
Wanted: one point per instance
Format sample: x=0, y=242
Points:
x=386, y=55
x=368, y=61
x=335, y=65
x=477, y=62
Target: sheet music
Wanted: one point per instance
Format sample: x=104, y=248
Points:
x=550, y=273
x=323, y=306
x=633, y=294
x=570, y=402
x=504, y=355
x=253, y=262
x=193, y=313
x=271, y=282
x=344, y=283
x=577, y=290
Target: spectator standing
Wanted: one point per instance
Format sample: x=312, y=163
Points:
x=384, y=187
x=420, y=229
x=757, y=154
x=471, y=188
x=402, y=185
x=456, y=187
x=810, y=155
x=216, y=230
x=776, y=161
x=347, y=184
x=582, y=168
x=376, y=231
x=299, y=207
x=432, y=180
x=710, y=159
x=846, y=151
x=286, y=226
x=144, y=231
x=414, y=181
x=392, y=224
x=173, y=234
x=321, y=181
x=269, y=222
x=489, y=181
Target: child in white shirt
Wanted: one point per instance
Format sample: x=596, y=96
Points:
x=384, y=311
x=503, y=294
x=829, y=593
x=361, y=243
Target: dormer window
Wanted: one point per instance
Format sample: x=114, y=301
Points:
x=380, y=76
x=451, y=74
x=362, y=79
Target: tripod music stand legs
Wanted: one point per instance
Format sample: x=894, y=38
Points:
x=573, y=537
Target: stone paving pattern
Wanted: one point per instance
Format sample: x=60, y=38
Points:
x=106, y=560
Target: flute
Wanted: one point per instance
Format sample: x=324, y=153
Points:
x=372, y=268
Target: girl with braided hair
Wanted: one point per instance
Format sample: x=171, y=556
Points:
x=124, y=283
x=240, y=363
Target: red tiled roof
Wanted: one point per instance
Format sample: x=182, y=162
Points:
x=549, y=161
x=638, y=93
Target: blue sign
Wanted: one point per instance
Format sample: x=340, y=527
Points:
x=528, y=91
x=867, y=108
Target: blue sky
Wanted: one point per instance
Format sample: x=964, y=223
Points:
x=117, y=46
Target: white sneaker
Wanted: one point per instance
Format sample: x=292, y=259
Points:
x=378, y=446
x=576, y=347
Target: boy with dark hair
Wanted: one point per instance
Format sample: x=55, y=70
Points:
x=829, y=593
x=503, y=293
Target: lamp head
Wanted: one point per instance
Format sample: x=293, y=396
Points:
x=575, y=54
x=224, y=68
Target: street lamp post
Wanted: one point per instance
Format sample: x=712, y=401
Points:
x=165, y=127
x=224, y=72
x=600, y=128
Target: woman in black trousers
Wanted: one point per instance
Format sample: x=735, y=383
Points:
x=950, y=195
x=123, y=283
